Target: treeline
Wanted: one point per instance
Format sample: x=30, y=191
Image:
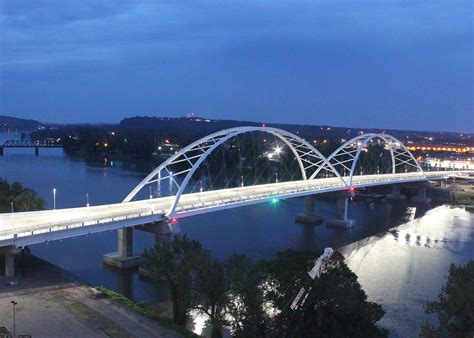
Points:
x=121, y=141
x=18, y=198
x=139, y=137
x=91, y=141
x=252, y=299
x=13, y=123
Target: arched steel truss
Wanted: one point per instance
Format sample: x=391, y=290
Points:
x=309, y=159
x=346, y=156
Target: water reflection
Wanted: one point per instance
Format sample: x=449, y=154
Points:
x=406, y=266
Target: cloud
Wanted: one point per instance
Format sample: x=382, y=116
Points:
x=57, y=31
x=236, y=58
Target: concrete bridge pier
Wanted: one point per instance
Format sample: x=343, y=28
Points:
x=123, y=258
x=443, y=183
x=37, y=151
x=1, y=151
x=9, y=256
x=309, y=216
x=396, y=193
x=421, y=196
x=342, y=206
x=162, y=231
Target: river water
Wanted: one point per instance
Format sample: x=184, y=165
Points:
x=400, y=264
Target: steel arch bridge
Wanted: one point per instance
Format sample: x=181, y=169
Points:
x=339, y=168
x=340, y=164
x=310, y=160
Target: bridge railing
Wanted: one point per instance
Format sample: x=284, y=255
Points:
x=76, y=223
x=288, y=189
x=211, y=199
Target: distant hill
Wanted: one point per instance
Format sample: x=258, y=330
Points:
x=7, y=122
x=202, y=126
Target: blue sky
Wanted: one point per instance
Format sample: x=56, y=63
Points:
x=387, y=64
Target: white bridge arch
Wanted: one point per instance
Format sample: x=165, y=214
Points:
x=347, y=155
x=310, y=160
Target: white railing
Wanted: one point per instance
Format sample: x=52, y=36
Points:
x=206, y=200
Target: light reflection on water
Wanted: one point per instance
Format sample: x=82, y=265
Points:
x=406, y=267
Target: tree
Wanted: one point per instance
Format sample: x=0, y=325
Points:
x=454, y=308
x=252, y=299
x=28, y=200
x=246, y=307
x=336, y=306
x=229, y=293
x=177, y=261
x=211, y=287
x=23, y=199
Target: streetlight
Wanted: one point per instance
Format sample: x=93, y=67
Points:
x=87, y=199
x=14, y=317
x=151, y=196
x=54, y=198
x=12, y=206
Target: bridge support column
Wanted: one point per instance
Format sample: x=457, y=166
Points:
x=309, y=216
x=123, y=258
x=162, y=231
x=37, y=151
x=421, y=196
x=1, y=151
x=395, y=195
x=9, y=254
x=342, y=206
x=443, y=183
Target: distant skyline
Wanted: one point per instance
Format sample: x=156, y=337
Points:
x=372, y=64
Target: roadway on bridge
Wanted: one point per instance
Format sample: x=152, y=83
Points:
x=38, y=225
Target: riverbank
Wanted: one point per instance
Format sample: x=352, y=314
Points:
x=463, y=194
x=50, y=302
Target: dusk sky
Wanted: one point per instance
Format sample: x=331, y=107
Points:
x=387, y=64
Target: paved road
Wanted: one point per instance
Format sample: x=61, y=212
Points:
x=28, y=228
x=51, y=304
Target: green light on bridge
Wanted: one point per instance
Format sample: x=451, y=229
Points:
x=274, y=201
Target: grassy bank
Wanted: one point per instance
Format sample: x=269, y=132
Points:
x=463, y=195
x=140, y=309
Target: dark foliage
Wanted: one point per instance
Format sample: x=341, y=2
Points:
x=252, y=299
x=23, y=199
x=454, y=308
x=336, y=307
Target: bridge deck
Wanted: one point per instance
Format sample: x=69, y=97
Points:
x=28, y=228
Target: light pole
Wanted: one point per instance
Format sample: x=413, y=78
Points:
x=54, y=198
x=14, y=317
x=151, y=196
x=87, y=199
x=12, y=206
